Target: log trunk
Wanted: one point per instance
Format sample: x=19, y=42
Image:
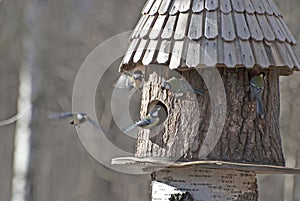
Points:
x=191, y=183
x=245, y=137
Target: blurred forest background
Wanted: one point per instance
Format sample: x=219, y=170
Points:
x=51, y=39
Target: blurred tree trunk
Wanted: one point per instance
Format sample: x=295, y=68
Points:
x=10, y=54
x=297, y=177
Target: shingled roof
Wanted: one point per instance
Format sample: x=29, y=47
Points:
x=225, y=33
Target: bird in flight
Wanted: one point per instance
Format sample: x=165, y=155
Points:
x=76, y=119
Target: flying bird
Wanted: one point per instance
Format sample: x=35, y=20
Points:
x=180, y=85
x=76, y=119
x=149, y=121
x=257, y=87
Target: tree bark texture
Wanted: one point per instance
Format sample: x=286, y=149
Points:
x=245, y=137
x=198, y=184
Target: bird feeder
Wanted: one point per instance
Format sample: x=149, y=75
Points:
x=209, y=42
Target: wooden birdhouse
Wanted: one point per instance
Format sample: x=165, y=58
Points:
x=213, y=144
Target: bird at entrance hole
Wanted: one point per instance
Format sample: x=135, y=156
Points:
x=149, y=121
x=257, y=83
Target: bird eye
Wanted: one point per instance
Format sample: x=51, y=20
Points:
x=165, y=86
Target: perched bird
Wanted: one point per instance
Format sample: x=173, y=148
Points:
x=149, y=121
x=176, y=85
x=131, y=80
x=77, y=119
x=256, y=87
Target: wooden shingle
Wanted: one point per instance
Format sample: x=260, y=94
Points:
x=195, y=29
x=228, y=32
x=230, y=59
x=211, y=4
x=139, y=26
x=260, y=53
x=131, y=49
x=149, y=54
x=184, y=5
x=175, y=7
x=267, y=6
x=224, y=33
x=258, y=6
x=181, y=28
x=225, y=6
x=157, y=27
x=210, y=52
x=148, y=6
x=242, y=28
x=147, y=26
x=155, y=7
x=274, y=8
x=140, y=51
x=176, y=55
x=164, y=7
x=249, y=7
x=238, y=5
x=193, y=55
x=276, y=29
x=211, y=25
x=254, y=27
x=266, y=28
x=169, y=28
x=164, y=52
x=198, y=6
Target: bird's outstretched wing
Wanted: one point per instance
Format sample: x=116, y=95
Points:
x=59, y=115
x=198, y=91
x=125, y=130
x=142, y=123
x=94, y=123
x=186, y=87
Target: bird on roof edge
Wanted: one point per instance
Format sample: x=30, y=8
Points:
x=131, y=80
x=180, y=85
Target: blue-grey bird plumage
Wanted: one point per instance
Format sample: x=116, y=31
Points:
x=180, y=85
x=256, y=89
x=129, y=80
x=149, y=121
x=77, y=119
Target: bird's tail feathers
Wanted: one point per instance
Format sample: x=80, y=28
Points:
x=95, y=124
x=259, y=107
x=125, y=130
x=54, y=115
x=198, y=91
x=58, y=115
